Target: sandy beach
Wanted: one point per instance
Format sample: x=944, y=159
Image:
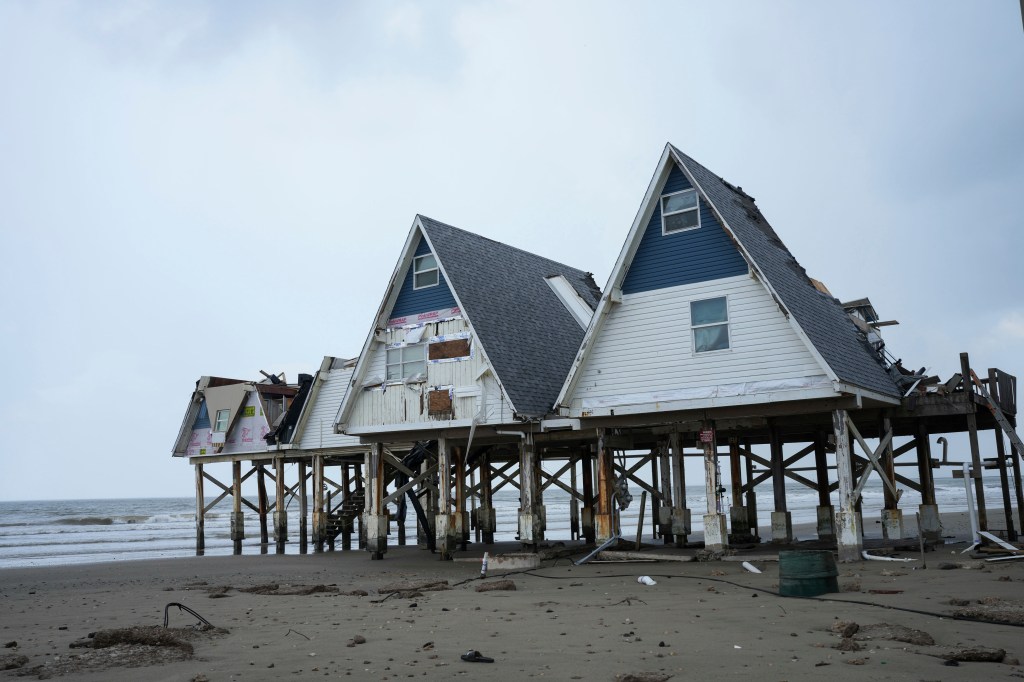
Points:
x=309, y=618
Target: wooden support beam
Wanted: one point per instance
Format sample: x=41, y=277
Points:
x=751, y=494
x=319, y=514
x=605, y=519
x=848, y=532
x=303, y=538
x=588, y=495
x=972, y=433
x=665, y=510
x=1004, y=479
x=280, y=512
x=777, y=467
x=237, y=520
x=200, y=512
x=261, y=487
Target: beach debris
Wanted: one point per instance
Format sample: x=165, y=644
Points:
x=496, y=585
x=885, y=591
x=845, y=628
x=289, y=590
x=615, y=555
x=290, y=631
x=646, y=580
x=848, y=644
x=12, y=661
x=474, y=656
x=607, y=543
x=11, y=645
x=358, y=639
x=750, y=567
x=895, y=633
x=642, y=677
x=629, y=601
x=947, y=566
x=993, y=610
x=205, y=624
x=872, y=557
x=976, y=654
x=423, y=586
x=855, y=661
x=483, y=565
x=147, y=635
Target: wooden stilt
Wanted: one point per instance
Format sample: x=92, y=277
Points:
x=346, y=491
x=485, y=514
x=445, y=534
x=848, y=531
x=716, y=536
x=665, y=508
x=587, y=466
x=1004, y=479
x=892, y=516
x=605, y=521
x=319, y=515
x=261, y=486
x=200, y=512
x=531, y=529
x=751, y=498
x=972, y=432
x=280, y=508
x=303, y=483
x=680, y=513
x=375, y=518
x=740, y=525
x=782, y=523
x=237, y=520
x=826, y=512
x=574, y=507
x=461, y=519
x=474, y=518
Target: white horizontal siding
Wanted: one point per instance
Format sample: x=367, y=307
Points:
x=407, y=404
x=645, y=345
x=318, y=431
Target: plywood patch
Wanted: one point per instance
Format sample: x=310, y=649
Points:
x=445, y=350
x=439, y=402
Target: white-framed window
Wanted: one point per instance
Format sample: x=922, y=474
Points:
x=709, y=320
x=221, y=423
x=680, y=211
x=424, y=272
x=407, y=361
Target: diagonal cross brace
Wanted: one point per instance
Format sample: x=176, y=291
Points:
x=997, y=413
x=873, y=458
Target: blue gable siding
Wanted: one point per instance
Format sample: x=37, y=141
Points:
x=413, y=301
x=699, y=255
x=203, y=418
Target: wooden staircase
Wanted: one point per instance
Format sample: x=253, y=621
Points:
x=343, y=516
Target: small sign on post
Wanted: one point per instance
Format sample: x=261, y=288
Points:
x=707, y=436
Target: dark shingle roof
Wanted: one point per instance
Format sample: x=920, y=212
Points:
x=529, y=336
x=821, y=316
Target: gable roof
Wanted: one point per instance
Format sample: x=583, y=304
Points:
x=527, y=334
x=817, y=317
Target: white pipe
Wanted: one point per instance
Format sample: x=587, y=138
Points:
x=750, y=567
x=872, y=557
x=973, y=512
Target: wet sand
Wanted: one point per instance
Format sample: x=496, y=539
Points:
x=702, y=620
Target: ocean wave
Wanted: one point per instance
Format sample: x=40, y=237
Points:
x=86, y=521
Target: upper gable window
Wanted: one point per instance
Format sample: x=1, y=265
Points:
x=424, y=272
x=710, y=322
x=680, y=211
x=221, y=425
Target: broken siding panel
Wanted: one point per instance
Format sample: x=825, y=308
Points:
x=399, y=403
x=646, y=343
x=319, y=429
x=698, y=255
x=248, y=431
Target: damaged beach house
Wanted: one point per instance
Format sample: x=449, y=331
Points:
x=487, y=366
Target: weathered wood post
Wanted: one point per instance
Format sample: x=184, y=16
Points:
x=716, y=535
x=665, y=510
x=605, y=519
x=848, y=532
x=303, y=482
x=531, y=522
x=782, y=519
x=656, y=495
x=375, y=516
x=739, y=521
x=1004, y=479
x=280, y=511
x=574, y=504
x=430, y=487
x=319, y=516
x=972, y=432
x=237, y=519
x=826, y=510
x=587, y=513
x=444, y=525
x=751, y=498
x=680, y=513
x=486, y=519
x=460, y=517
x=347, y=523
x=261, y=490
x=892, y=515
x=200, y=512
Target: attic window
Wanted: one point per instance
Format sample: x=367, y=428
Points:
x=221, y=425
x=680, y=211
x=407, y=361
x=424, y=272
x=710, y=322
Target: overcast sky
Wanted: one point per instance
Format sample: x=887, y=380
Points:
x=192, y=188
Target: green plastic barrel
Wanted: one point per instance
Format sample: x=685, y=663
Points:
x=807, y=573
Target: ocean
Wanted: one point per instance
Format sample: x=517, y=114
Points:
x=64, y=532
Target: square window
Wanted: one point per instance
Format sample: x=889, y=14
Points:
x=680, y=211
x=221, y=425
x=709, y=320
x=424, y=272
x=406, y=361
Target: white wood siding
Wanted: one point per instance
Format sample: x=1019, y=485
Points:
x=645, y=346
x=318, y=431
x=399, y=404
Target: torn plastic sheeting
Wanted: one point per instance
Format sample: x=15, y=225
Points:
x=414, y=334
x=723, y=391
x=872, y=557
